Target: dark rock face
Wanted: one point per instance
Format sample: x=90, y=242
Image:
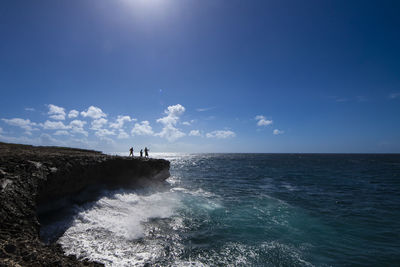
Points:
x=31, y=175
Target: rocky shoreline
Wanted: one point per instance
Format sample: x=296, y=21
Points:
x=31, y=176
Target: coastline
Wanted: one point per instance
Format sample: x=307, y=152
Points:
x=32, y=176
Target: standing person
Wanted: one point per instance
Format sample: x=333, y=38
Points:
x=141, y=152
x=131, y=152
x=146, y=152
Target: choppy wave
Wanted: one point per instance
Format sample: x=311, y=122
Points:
x=113, y=229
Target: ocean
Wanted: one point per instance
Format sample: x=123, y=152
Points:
x=245, y=210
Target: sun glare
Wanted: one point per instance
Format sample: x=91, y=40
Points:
x=147, y=9
x=145, y=3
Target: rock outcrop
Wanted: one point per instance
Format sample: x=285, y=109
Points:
x=30, y=176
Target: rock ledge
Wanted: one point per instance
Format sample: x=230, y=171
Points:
x=30, y=176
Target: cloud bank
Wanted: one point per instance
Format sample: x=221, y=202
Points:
x=83, y=128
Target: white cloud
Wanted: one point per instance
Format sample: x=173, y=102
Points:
x=394, y=95
x=54, y=125
x=188, y=123
x=107, y=140
x=98, y=124
x=169, y=131
x=77, y=127
x=61, y=132
x=194, y=133
x=262, y=121
x=276, y=132
x=29, y=109
x=1, y=130
x=221, y=134
x=173, y=113
x=142, y=128
x=104, y=132
x=80, y=131
x=204, y=109
x=56, y=112
x=93, y=112
x=119, y=123
x=27, y=125
x=77, y=124
x=122, y=134
x=73, y=114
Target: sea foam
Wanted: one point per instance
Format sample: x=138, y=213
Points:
x=107, y=229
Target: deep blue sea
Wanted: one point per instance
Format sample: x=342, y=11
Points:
x=247, y=210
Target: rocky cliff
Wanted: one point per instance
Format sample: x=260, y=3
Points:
x=30, y=176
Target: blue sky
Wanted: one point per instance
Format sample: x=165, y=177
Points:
x=201, y=76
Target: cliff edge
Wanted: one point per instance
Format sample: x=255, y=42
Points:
x=30, y=176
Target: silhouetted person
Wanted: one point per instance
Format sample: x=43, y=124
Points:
x=131, y=152
x=146, y=152
x=141, y=152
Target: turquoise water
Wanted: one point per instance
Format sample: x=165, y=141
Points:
x=248, y=210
